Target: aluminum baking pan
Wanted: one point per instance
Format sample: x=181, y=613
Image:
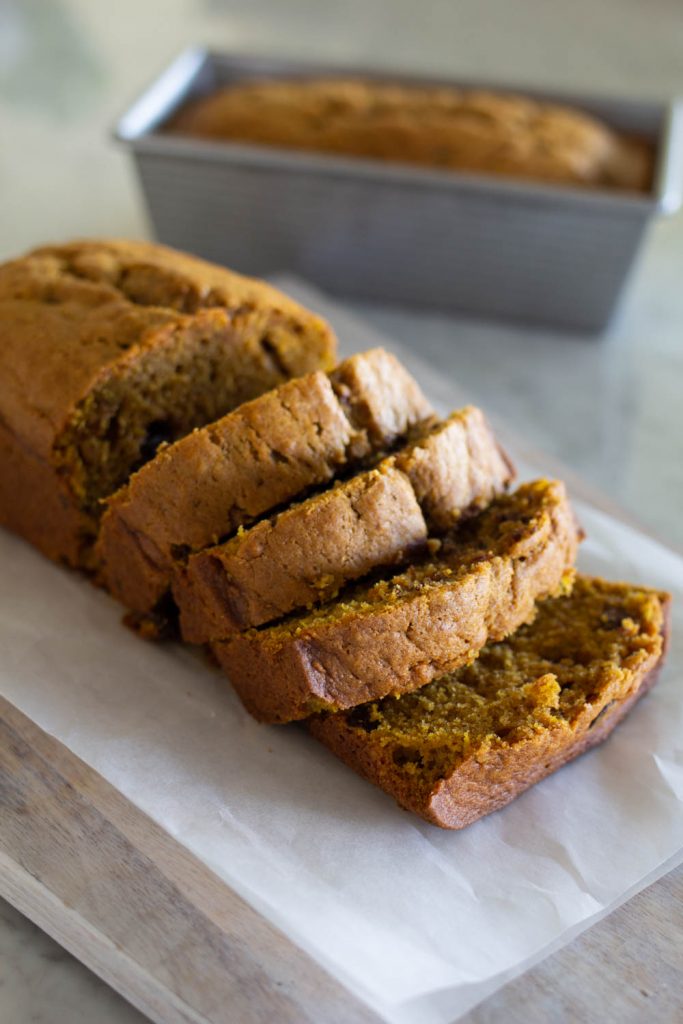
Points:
x=480, y=245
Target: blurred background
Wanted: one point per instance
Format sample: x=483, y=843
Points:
x=610, y=408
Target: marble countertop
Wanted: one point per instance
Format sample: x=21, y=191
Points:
x=610, y=408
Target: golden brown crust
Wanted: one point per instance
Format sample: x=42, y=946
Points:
x=304, y=556
x=479, y=785
x=77, y=321
x=143, y=273
x=257, y=457
x=447, y=128
x=396, y=637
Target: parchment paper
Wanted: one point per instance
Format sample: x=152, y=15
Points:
x=420, y=923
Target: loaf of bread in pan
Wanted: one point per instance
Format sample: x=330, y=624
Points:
x=433, y=126
x=263, y=454
x=402, y=632
x=304, y=555
x=469, y=743
x=107, y=349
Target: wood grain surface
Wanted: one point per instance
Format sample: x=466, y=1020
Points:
x=133, y=905
x=627, y=969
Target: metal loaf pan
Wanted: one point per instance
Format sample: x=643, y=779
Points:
x=367, y=229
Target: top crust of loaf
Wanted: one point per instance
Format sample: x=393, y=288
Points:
x=71, y=313
x=92, y=271
x=436, y=126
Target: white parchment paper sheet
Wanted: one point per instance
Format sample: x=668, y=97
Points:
x=419, y=922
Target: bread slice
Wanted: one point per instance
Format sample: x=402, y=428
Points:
x=469, y=743
x=304, y=556
x=400, y=633
x=109, y=348
x=301, y=557
x=265, y=453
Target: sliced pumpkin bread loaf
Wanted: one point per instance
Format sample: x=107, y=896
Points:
x=307, y=553
x=109, y=348
x=470, y=742
x=263, y=454
x=400, y=633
